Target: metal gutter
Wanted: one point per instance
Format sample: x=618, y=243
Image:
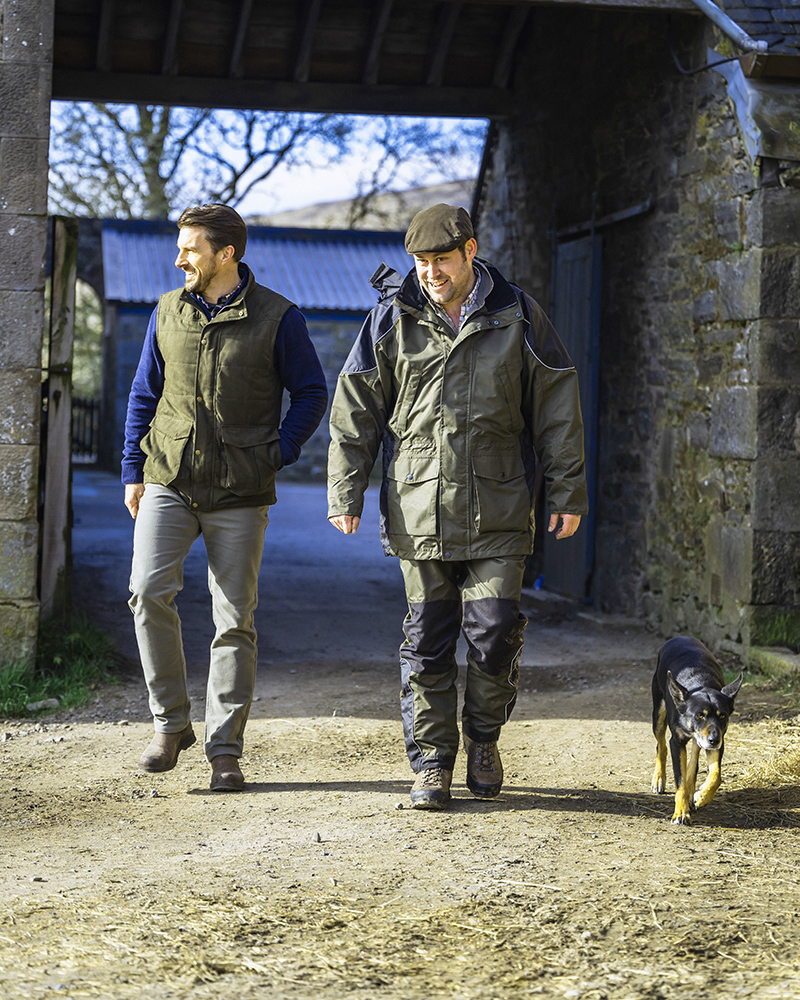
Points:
x=730, y=27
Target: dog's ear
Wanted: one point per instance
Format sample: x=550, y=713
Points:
x=677, y=693
x=732, y=689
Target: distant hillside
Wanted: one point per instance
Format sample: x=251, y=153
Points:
x=391, y=211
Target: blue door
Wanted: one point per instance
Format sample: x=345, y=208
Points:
x=567, y=564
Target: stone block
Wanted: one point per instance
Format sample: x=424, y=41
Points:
x=734, y=413
x=19, y=466
x=726, y=222
x=776, y=568
x=697, y=431
x=737, y=563
x=775, y=354
x=18, y=559
x=23, y=242
x=19, y=624
x=776, y=487
x=20, y=406
x=728, y=563
x=25, y=90
x=779, y=422
x=739, y=285
x=773, y=217
x=27, y=30
x=23, y=176
x=704, y=308
x=780, y=283
x=691, y=163
x=21, y=329
x=775, y=661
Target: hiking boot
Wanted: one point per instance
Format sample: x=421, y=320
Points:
x=431, y=790
x=226, y=775
x=162, y=754
x=484, y=768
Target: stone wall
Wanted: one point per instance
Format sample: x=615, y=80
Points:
x=697, y=521
x=25, y=73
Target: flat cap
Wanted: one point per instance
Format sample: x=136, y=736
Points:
x=439, y=229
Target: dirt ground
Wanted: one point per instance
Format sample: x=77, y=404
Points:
x=320, y=882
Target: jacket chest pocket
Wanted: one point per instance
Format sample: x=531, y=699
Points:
x=413, y=490
x=501, y=496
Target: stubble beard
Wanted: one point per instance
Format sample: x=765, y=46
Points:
x=197, y=281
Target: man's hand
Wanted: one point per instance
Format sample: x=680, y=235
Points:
x=346, y=523
x=569, y=524
x=133, y=494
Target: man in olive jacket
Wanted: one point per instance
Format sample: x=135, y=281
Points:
x=203, y=441
x=463, y=380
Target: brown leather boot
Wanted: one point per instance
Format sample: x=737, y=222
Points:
x=162, y=754
x=226, y=775
x=431, y=789
x=484, y=768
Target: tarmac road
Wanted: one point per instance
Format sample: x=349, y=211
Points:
x=322, y=595
x=330, y=601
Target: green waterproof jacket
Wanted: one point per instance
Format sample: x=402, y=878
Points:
x=462, y=419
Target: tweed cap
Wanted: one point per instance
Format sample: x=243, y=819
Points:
x=439, y=229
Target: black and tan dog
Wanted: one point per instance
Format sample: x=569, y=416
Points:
x=689, y=697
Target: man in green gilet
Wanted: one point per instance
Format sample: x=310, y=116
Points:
x=203, y=441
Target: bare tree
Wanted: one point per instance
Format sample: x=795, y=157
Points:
x=143, y=161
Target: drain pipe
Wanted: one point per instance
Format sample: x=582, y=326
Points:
x=731, y=28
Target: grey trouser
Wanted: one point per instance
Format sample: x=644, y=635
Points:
x=480, y=596
x=165, y=529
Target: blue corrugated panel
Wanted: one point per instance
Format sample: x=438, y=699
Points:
x=319, y=269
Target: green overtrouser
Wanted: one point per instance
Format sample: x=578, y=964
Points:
x=480, y=597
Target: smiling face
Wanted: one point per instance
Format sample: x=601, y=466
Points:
x=197, y=260
x=447, y=277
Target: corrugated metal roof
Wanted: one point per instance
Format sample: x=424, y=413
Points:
x=318, y=269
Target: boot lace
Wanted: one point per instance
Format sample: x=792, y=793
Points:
x=431, y=777
x=484, y=756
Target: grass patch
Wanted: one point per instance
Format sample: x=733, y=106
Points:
x=73, y=657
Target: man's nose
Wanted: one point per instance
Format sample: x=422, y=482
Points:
x=180, y=260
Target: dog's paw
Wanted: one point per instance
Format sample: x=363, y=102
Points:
x=659, y=780
x=682, y=818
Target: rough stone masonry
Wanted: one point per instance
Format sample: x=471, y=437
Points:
x=25, y=74
x=697, y=518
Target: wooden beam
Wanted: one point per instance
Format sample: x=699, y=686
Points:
x=302, y=65
x=105, y=36
x=203, y=92
x=380, y=22
x=443, y=35
x=169, y=61
x=505, y=59
x=665, y=5
x=236, y=70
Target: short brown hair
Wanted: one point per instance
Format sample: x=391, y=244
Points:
x=223, y=226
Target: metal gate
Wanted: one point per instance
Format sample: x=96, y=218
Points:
x=567, y=565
